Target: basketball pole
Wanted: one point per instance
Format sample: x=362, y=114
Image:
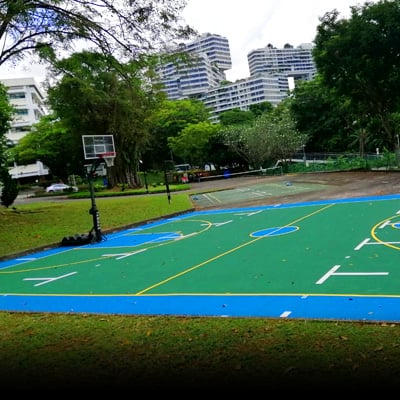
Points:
x=101, y=149
x=166, y=182
x=93, y=210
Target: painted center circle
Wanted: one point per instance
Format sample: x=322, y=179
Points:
x=280, y=230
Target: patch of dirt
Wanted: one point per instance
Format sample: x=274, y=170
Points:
x=337, y=185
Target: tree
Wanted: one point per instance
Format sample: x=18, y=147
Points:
x=6, y=113
x=193, y=142
x=236, y=116
x=285, y=138
x=324, y=116
x=167, y=122
x=260, y=108
x=52, y=143
x=9, y=191
x=359, y=58
x=222, y=155
x=271, y=136
x=97, y=95
x=234, y=121
x=121, y=28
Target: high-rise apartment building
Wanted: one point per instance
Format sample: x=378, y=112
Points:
x=210, y=58
x=295, y=62
x=182, y=82
x=25, y=95
x=260, y=88
x=270, y=72
x=215, y=47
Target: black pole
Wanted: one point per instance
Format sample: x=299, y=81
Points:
x=93, y=210
x=166, y=183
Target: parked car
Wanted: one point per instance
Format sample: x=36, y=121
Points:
x=60, y=187
x=182, y=167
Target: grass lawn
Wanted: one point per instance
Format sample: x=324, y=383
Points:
x=152, y=353
x=31, y=226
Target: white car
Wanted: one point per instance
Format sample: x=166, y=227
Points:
x=60, y=187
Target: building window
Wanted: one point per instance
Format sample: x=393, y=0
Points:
x=18, y=95
x=21, y=111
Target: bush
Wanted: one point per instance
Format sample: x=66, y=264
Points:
x=10, y=188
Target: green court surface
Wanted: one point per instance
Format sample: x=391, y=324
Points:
x=330, y=259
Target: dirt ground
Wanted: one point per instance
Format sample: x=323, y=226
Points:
x=337, y=185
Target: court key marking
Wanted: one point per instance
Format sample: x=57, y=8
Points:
x=45, y=281
x=332, y=272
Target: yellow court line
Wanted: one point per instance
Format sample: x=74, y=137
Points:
x=229, y=251
x=189, y=294
x=52, y=266
x=374, y=236
x=103, y=256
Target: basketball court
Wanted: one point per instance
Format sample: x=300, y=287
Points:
x=330, y=259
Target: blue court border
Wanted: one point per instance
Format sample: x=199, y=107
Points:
x=337, y=307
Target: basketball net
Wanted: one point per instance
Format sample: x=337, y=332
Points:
x=108, y=158
x=109, y=161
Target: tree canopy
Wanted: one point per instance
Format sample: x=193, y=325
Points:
x=359, y=57
x=93, y=98
x=6, y=114
x=168, y=121
x=270, y=137
x=235, y=117
x=121, y=28
x=9, y=191
x=192, y=144
x=324, y=116
x=50, y=142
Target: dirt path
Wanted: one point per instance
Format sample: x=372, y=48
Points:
x=336, y=185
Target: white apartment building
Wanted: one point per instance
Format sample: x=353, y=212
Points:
x=215, y=47
x=25, y=95
x=182, y=82
x=295, y=62
x=210, y=57
x=241, y=94
x=271, y=70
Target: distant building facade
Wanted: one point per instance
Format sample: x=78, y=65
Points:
x=29, y=173
x=205, y=79
x=24, y=94
x=215, y=47
x=295, y=62
x=272, y=88
x=210, y=58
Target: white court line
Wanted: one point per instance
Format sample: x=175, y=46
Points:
x=285, y=314
x=212, y=198
x=367, y=242
x=333, y=272
x=45, y=281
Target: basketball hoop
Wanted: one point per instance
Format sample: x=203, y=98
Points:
x=100, y=150
x=108, y=158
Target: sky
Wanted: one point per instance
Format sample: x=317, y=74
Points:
x=253, y=24
x=247, y=24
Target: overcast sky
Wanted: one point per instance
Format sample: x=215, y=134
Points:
x=253, y=24
x=247, y=24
